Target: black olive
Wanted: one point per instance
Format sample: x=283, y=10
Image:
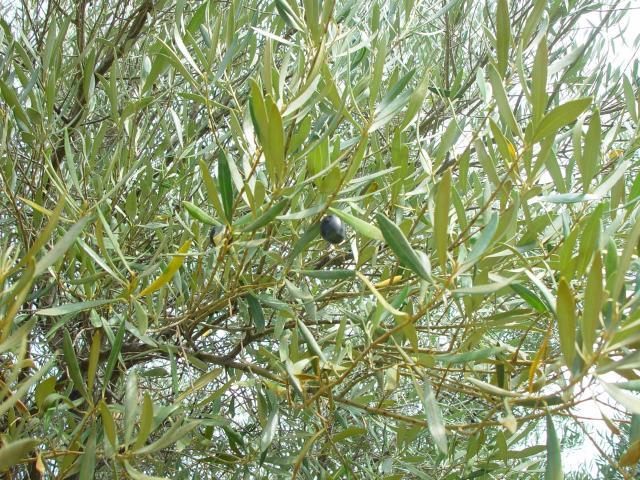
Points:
x=332, y=229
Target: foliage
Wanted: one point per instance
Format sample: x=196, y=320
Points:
x=483, y=156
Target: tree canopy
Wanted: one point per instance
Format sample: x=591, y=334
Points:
x=171, y=309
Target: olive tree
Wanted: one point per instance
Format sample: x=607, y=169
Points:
x=317, y=239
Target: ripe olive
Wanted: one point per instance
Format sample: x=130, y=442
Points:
x=332, y=229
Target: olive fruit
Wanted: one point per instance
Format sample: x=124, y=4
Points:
x=332, y=229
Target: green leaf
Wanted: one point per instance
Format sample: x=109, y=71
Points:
x=630, y=98
x=301, y=214
x=226, y=187
x=12, y=453
x=565, y=198
x=177, y=431
x=484, y=289
x=530, y=297
x=130, y=404
x=142, y=319
x=113, y=355
x=270, y=429
x=61, y=246
x=593, y=298
x=484, y=241
x=257, y=315
x=465, y=357
x=492, y=389
x=539, y=82
x=274, y=139
x=448, y=139
x=146, y=422
x=365, y=229
x=566, y=314
x=309, y=235
x=623, y=263
x=435, y=420
x=288, y=15
x=559, y=117
x=503, y=36
x=392, y=102
x=267, y=123
x=136, y=475
x=401, y=247
x=72, y=364
x=108, y=424
x=590, y=163
x=416, y=100
x=553, y=469
x=257, y=110
x=198, y=214
x=15, y=104
x=204, y=380
x=377, y=70
x=533, y=21
x=113, y=239
x=487, y=162
x=94, y=358
x=630, y=402
x=168, y=273
x=348, y=432
x=268, y=216
x=311, y=341
x=546, y=294
x=177, y=38
x=72, y=308
x=500, y=94
x=212, y=189
x=46, y=232
x=589, y=239
x=441, y=216
x=88, y=460
x=43, y=390
x=308, y=91
x=23, y=388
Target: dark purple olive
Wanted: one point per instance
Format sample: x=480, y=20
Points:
x=332, y=229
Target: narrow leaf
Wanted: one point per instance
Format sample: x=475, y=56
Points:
x=441, y=216
x=401, y=246
x=62, y=246
x=226, y=186
x=72, y=364
x=12, y=453
x=380, y=298
x=174, y=265
x=364, y=228
x=559, y=117
x=72, y=308
x=503, y=36
x=566, y=314
x=553, y=470
x=435, y=420
x=198, y=214
x=270, y=429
